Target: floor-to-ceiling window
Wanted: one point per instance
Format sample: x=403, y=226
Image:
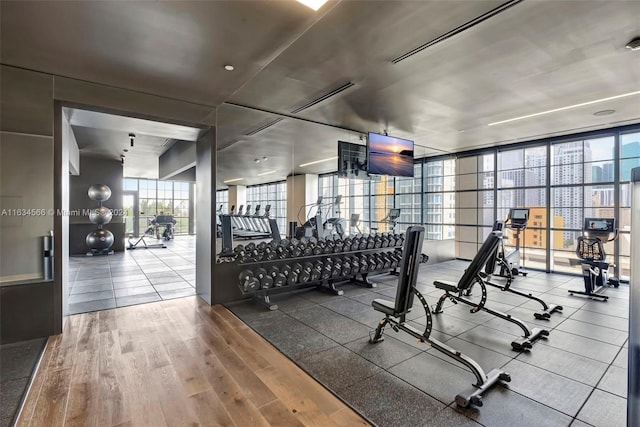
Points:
x=222, y=198
x=562, y=181
x=629, y=155
x=273, y=195
x=439, y=199
x=521, y=183
x=157, y=197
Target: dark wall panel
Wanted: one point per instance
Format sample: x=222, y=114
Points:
x=26, y=311
x=95, y=170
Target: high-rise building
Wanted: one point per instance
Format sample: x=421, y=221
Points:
x=630, y=154
x=568, y=159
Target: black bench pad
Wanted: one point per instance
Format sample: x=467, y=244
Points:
x=446, y=285
x=387, y=307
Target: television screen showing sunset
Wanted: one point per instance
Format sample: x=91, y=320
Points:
x=390, y=156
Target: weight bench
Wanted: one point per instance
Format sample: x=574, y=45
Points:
x=456, y=293
x=490, y=267
x=395, y=315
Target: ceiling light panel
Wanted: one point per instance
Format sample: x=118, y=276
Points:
x=313, y=4
x=318, y=161
x=568, y=107
x=233, y=180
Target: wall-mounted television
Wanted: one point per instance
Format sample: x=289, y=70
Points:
x=352, y=160
x=388, y=155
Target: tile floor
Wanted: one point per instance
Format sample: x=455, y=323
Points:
x=132, y=277
x=576, y=377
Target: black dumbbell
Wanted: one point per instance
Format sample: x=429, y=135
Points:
x=355, y=265
x=305, y=273
x=279, y=279
x=248, y=282
x=307, y=248
x=318, y=248
x=338, y=246
x=364, y=264
x=294, y=275
x=346, y=266
x=316, y=272
x=363, y=243
x=336, y=271
x=266, y=281
x=327, y=269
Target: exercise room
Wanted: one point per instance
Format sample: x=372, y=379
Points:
x=385, y=213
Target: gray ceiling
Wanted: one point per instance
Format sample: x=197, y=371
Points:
x=108, y=135
x=531, y=57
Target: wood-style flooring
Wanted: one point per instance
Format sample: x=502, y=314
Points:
x=173, y=363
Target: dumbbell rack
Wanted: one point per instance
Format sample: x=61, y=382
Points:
x=230, y=271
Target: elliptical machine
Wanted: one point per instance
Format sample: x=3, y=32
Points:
x=593, y=258
x=337, y=224
x=509, y=263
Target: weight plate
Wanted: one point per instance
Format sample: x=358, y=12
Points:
x=266, y=282
x=292, y=279
x=285, y=269
x=280, y=280
x=305, y=276
x=274, y=271
x=261, y=273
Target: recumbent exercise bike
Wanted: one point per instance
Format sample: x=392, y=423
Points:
x=593, y=258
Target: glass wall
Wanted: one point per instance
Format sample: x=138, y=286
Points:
x=522, y=179
x=222, y=198
x=439, y=199
x=157, y=197
x=274, y=194
x=562, y=181
x=373, y=198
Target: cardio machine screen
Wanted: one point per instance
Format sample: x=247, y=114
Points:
x=394, y=213
x=599, y=224
x=520, y=214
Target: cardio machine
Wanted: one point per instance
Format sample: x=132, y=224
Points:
x=391, y=220
x=593, y=258
x=151, y=231
x=509, y=263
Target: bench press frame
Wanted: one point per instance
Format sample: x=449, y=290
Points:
x=396, y=312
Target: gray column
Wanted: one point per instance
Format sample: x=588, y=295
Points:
x=205, y=225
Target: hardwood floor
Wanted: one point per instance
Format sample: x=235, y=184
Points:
x=173, y=363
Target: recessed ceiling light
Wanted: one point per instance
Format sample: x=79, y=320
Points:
x=229, y=67
x=313, y=4
x=233, y=180
x=256, y=160
x=318, y=161
x=566, y=108
x=266, y=173
x=604, y=113
x=634, y=44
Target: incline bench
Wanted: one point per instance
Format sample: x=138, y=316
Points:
x=455, y=292
x=490, y=267
x=395, y=314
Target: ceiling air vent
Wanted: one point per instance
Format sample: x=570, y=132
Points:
x=457, y=30
x=323, y=97
x=263, y=127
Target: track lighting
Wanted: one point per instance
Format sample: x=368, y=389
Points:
x=132, y=137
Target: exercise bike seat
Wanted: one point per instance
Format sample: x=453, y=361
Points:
x=387, y=307
x=446, y=285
